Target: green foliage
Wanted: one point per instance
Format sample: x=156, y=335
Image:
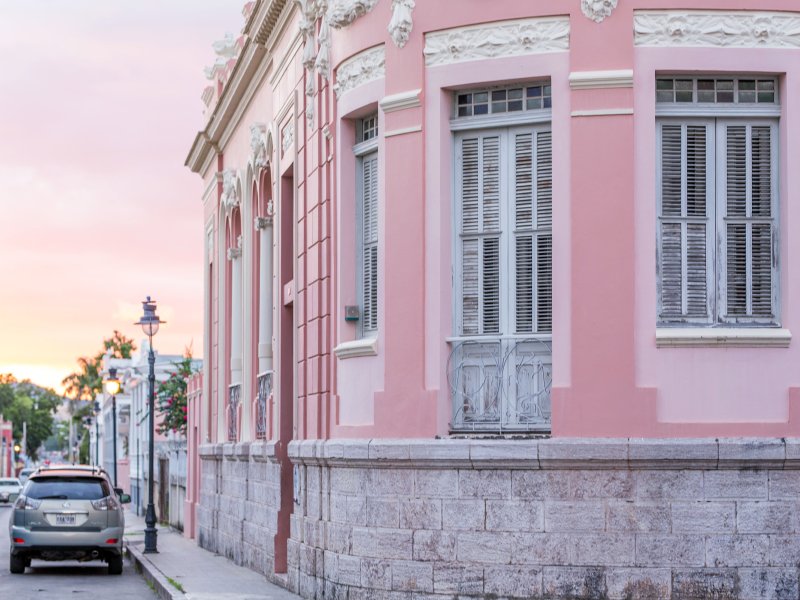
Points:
x=25, y=402
x=172, y=397
x=87, y=382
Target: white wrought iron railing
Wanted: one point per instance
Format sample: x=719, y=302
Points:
x=234, y=394
x=264, y=382
x=500, y=384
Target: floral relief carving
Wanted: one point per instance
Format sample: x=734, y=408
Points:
x=258, y=145
x=740, y=29
x=597, y=10
x=509, y=38
x=401, y=24
x=229, y=196
x=360, y=69
x=342, y=13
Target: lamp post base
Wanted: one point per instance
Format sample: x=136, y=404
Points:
x=150, y=532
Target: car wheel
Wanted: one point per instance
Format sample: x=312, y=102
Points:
x=115, y=564
x=16, y=564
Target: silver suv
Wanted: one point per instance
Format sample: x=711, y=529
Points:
x=67, y=513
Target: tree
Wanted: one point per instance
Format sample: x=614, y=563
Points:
x=25, y=402
x=172, y=397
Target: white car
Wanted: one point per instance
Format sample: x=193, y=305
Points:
x=10, y=487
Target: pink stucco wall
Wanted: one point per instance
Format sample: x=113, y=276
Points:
x=609, y=377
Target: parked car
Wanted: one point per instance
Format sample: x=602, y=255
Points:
x=10, y=488
x=68, y=513
x=24, y=474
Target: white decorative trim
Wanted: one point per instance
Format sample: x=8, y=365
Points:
x=258, y=145
x=362, y=68
x=356, y=348
x=234, y=253
x=718, y=110
x=229, y=196
x=342, y=13
x=401, y=24
x=597, y=10
x=287, y=137
x=262, y=223
x=763, y=337
x=403, y=131
x=717, y=29
x=590, y=80
x=401, y=101
x=505, y=38
x=602, y=112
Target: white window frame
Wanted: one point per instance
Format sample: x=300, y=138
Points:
x=716, y=118
x=364, y=151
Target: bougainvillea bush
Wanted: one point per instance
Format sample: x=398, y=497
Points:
x=172, y=397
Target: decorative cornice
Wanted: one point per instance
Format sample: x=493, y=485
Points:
x=400, y=25
x=597, y=10
x=505, y=38
x=717, y=29
x=761, y=337
x=362, y=68
x=342, y=13
x=589, y=80
x=229, y=196
x=258, y=145
x=401, y=101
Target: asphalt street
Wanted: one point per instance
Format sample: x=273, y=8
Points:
x=69, y=579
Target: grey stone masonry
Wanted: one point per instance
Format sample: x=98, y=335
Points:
x=514, y=518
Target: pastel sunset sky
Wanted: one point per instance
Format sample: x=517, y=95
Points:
x=99, y=104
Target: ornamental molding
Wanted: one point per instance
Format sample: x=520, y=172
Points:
x=258, y=145
x=506, y=38
x=598, y=10
x=342, y=13
x=229, y=198
x=362, y=68
x=234, y=253
x=717, y=29
x=401, y=101
x=590, y=80
x=400, y=25
x=262, y=222
x=287, y=137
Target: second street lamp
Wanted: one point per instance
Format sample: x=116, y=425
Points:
x=112, y=387
x=150, y=323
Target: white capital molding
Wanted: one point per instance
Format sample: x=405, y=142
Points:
x=258, y=145
x=505, y=38
x=588, y=80
x=401, y=101
x=234, y=253
x=597, y=10
x=229, y=196
x=342, y=13
x=401, y=24
x=262, y=222
x=761, y=337
x=717, y=29
x=362, y=68
x=356, y=348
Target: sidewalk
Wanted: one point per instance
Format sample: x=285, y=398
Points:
x=184, y=571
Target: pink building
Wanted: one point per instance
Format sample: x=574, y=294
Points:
x=498, y=298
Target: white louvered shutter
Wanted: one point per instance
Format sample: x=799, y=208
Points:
x=369, y=245
x=685, y=228
x=532, y=194
x=747, y=220
x=479, y=188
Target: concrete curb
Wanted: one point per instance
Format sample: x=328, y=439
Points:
x=151, y=574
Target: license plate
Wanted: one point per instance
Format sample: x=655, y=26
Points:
x=65, y=519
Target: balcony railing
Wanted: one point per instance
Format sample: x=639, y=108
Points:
x=234, y=394
x=500, y=384
x=264, y=391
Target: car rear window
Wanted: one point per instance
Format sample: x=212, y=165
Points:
x=67, y=488
x=13, y=482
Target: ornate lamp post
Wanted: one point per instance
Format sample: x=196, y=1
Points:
x=150, y=323
x=96, y=411
x=112, y=387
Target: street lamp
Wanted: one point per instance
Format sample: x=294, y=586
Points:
x=112, y=387
x=150, y=323
x=96, y=411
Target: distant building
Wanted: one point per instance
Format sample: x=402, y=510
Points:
x=498, y=298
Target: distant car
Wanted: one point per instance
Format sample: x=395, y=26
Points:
x=68, y=513
x=24, y=474
x=10, y=487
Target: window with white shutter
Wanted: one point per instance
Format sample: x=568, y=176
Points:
x=500, y=363
x=367, y=240
x=717, y=202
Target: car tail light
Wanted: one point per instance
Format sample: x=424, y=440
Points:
x=112, y=540
x=107, y=503
x=19, y=541
x=25, y=503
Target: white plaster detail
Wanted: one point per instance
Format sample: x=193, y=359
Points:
x=356, y=348
x=597, y=10
x=287, y=137
x=505, y=38
x=601, y=112
x=258, y=145
x=717, y=29
x=403, y=131
x=226, y=47
x=323, y=61
x=262, y=222
x=362, y=68
x=401, y=101
x=401, y=24
x=270, y=208
x=342, y=13
x=229, y=196
x=590, y=80
x=234, y=253
x=762, y=337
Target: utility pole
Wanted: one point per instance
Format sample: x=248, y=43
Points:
x=25, y=441
x=71, y=441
